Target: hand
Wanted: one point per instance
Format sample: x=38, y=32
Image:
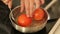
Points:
x=8, y=2
x=30, y=6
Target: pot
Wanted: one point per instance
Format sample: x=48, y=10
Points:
x=34, y=26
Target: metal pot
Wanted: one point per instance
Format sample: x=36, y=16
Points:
x=34, y=26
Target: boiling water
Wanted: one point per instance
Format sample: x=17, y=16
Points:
x=35, y=23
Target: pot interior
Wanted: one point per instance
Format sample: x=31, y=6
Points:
x=16, y=12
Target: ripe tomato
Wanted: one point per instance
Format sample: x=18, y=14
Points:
x=24, y=21
x=38, y=14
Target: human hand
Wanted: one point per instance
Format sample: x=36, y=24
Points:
x=30, y=6
x=8, y=2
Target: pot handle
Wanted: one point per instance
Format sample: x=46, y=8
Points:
x=50, y=4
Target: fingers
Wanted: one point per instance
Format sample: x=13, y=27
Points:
x=27, y=7
x=37, y=2
x=10, y=4
x=31, y=7
x=22, y=6
x=42, y=1
x=5, y=1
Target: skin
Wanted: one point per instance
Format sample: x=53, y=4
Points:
x=8, y=2
x=29, y=6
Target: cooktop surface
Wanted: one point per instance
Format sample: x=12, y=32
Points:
x=7, y=28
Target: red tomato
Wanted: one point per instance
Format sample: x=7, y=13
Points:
x=24, y=21
x=38, y=14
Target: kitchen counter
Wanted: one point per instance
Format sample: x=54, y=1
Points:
x=56, y=28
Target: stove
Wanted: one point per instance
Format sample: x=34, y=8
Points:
x=45, y=30
x=7, y=28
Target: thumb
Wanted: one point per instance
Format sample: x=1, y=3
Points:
x=10, y=4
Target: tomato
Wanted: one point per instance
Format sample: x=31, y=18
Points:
x=38, y=14
x=24, y=21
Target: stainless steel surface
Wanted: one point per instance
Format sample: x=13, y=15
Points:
x=11, y=30
x=33, y=28
x=15, y=12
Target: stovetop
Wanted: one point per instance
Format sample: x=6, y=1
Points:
x=45, y=30
x=7, y=28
